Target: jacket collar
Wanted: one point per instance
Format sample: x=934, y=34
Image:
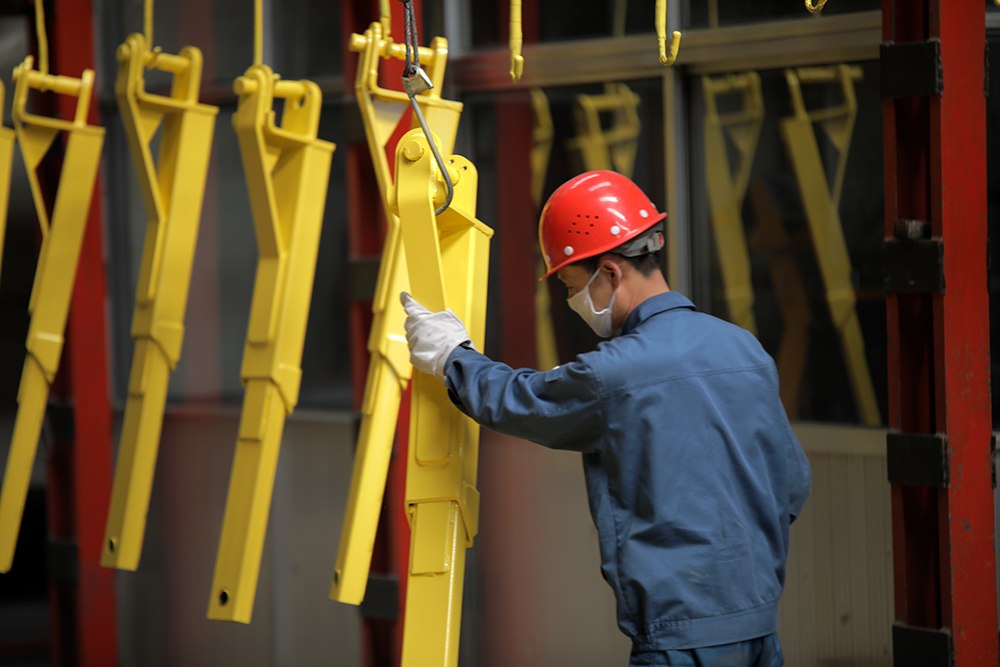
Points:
x=655, y=305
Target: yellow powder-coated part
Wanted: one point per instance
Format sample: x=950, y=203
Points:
x=613, y=147
x=6, y=163
x=62, y=238
x=383, y=108
x=821, y=201
x=389, y=372
x=516, y=41
x=172, y=188
x=389, y=367
x=287, y=172
x=726, y=187
x=448, y=265
x=667, y=56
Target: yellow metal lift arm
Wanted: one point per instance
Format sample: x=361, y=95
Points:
x=62, y=238
x=726, y=186
x=821, y=200
x=448, y=269
x=172, y=190
x=6, y=163
x=287, y=171
x=389, y=367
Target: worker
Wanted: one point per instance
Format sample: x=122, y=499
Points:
x=693, y=473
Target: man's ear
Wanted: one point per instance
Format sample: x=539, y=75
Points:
x=614, y=270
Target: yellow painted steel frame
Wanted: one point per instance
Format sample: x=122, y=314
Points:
x=6, y=163
x=441, y=495
x=389, y=367
x=821, y=201
x=173, y=196
x=287, y=172
x=727, y=187
x=62, y=238
x=615, y=147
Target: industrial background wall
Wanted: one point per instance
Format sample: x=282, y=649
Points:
x=764, y=142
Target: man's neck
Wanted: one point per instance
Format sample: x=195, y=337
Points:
x=642, y=288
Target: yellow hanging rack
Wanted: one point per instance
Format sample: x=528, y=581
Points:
x=62, y=238
x=287, y=170
x=172, y=188
x=666, y=58
x=818, y=7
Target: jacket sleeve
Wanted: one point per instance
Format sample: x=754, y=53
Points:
x=799, y=476
x=560, y=408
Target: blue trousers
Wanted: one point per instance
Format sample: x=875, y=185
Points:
x=761, y=652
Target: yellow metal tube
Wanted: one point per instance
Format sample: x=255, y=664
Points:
x=173, y=188
x=287, y=170
x=62, y=238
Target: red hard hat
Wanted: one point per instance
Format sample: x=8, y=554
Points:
x=592, y=214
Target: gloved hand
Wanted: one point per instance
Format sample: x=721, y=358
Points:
x=431, y=336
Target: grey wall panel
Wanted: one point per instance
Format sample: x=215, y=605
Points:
x=162, y=606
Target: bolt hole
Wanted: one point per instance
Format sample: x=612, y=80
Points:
x=112, y=545
x=465, y=169
x=224, y=597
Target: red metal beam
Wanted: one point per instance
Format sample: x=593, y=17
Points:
x=935, y=170
x=79, y=483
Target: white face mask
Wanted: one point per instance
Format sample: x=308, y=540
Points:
x=583, y=305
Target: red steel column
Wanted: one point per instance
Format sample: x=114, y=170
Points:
x=938, y=368
x=79, y=482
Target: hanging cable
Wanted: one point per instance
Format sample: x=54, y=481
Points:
x=258, y=32
x=147, y=23
x=43, y=40
x=416, y=81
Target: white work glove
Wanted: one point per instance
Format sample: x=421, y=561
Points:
x=431, y=336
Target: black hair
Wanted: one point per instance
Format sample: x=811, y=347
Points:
x=644, y=264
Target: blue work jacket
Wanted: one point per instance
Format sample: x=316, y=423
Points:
x=693, y=473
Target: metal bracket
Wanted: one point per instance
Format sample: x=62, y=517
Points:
x=917, y=459
x=922, y=646
x=911, y=69
x=913, y=266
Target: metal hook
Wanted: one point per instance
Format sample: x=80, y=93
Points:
x=818, y=7
x=516, y=40
x=666, y=58
x=416, y=81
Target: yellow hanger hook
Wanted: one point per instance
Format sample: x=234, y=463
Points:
x=818, y=7
x=666, y=59
x=516, y=40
